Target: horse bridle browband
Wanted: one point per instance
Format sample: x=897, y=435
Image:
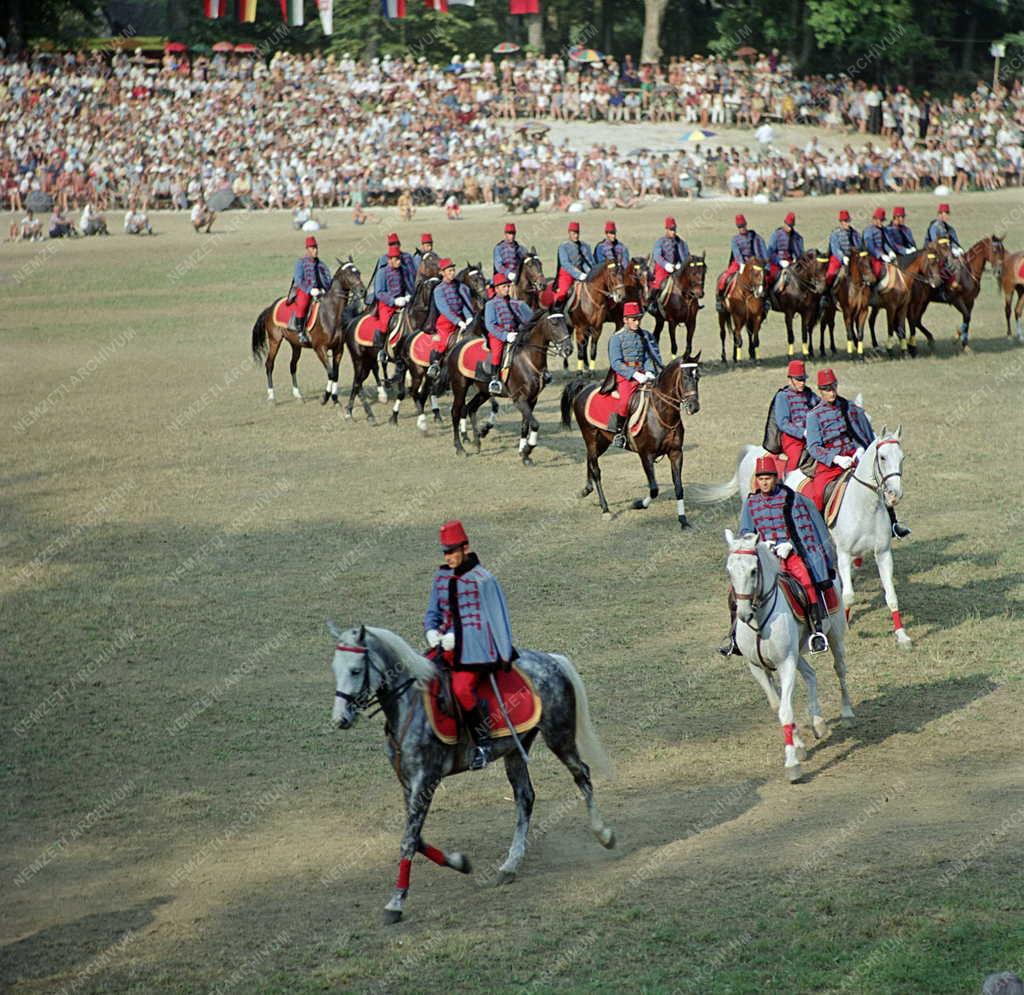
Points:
x=880, y=478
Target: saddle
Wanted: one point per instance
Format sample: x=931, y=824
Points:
x=284, y=312
x=599, y=408
x=473, y=357
x=833, y=497
x=797, y=597
x=518, y=694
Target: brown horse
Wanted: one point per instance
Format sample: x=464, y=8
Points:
x=635, y=278
x=325, y=334
x=429, y=266
x=892, y=291
x=661, y=434
x=851, y=291
x=743, y=307
x=961, y=292
x=589, y=308
x=1012, y=281
x=547, y=331
x=530, y=280
x=798, y=291
x=682, y=303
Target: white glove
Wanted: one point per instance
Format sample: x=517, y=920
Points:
x=433, y=638
x=464, y=324
x=846, y=260
x=650, y=377
x=784, y=263
x=640, y=376
x=858, y=455
x=957, y=251
x=448, y=641
x=670, y=267
x=783, y=549
x=844, y=461
x=401, y=301
x=511, y=337
x=315, y=292
x=889, y=256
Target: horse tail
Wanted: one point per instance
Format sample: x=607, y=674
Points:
x=259, y=335
x=711, y=493
x=568, y=396
x=587, y=740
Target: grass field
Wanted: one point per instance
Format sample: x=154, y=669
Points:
x=178, y=814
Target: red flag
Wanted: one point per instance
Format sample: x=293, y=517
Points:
x=441, y=5
x=524, y=6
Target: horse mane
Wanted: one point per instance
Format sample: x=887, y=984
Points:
x=416, y=666
x=597, y=271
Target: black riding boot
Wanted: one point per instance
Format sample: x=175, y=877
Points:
x=898, y=531
x=479, y=724
x=652, y=305
x=729, y=647
x=619, y=439
x=300, y=327
x=434, y=369
x=818, y=641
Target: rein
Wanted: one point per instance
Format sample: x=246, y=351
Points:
x=671, y=400
x=756, y=597
x=879, y=478
x=363, y=698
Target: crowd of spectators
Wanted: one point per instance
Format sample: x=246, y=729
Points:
x=132, y=133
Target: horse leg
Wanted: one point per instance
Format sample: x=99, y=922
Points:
x=675, y=458
x=382, y=392
x=721, y=334
x=435, y=408
x=529, y=432
x=474, y=406
x=321, y=354
x=883, y=558
x=420, y=794
x=518, y=775
x=787, y=683
x=595, y=334
x=293, y=368
x=652, y=484
x=1007, y=304
x=674, y=346
x=1018, y=311
x=275, y=344
x=837, y=641
x=691, y=328
x=788, y=315
x=458, y=417
x=764, y=681
x=594, y=450
x=581, y=349
x=818, y=723
x=565, y=749
x=358, y=376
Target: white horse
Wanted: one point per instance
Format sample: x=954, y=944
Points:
x=767, y=630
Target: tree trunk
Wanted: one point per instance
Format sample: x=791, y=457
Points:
x=806, y=46
x=967, y=53
x=654, y=11
x=535, y=31
x=15, y=27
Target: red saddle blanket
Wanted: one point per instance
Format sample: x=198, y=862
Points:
x=472, y=353
x=419, y=348
x=366, y=328
x=521, y=702
x=283, y=313
x=599, y=410
x=834, y=492
x=797, y=597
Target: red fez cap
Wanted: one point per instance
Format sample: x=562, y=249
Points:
x=426, y=237
x=510, y=228
x=445, y=263
x=796, y=368
x=826, y=378
x=789, y=219
x=574, y=226
x=393, y=238
x=631, y=309
x=609, y=226
x=879, y=214
x=766, y=464
x=943, y=208
x=547, y=297
x=741, y=222
x=394, y=252
x=499, y=280
x=310, y=242
x=670, y=223
x=453, y=535
x=899, y=212
x=844, y=215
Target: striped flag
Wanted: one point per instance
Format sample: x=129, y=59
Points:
x=441, y=5
x=246, y=10
x=291, y=11
x=524, y=6
x=326, y=8
x=392, y=8
x=215, y=8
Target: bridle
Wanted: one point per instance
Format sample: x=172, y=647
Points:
x=671, y=399
x=365, y=696
x=532, y=286
x=879, y=478
x=756, y=597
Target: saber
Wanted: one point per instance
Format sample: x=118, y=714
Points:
x=508, y=721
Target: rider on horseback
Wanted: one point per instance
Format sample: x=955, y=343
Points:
x=838, y=432
x=468, y=618
x=575, y=260
x=392, y=289
x=842, y=243
x=310, y=280
x=785, y=246
x=634, y=358
x=876, y=241
x=611, y=247
x=408, y=263
x=426, y=248
x=454, y=307
x=940, y=229
x=900, y=235
x=800, y=539
x=503, y=318
x=670, y=253
x=786, y=425
x=746, y=245
x=508, y=255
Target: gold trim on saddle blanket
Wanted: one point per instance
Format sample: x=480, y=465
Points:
x=311, y=315
x=367, y=323
x=464, y=368
x=636, y=418
x=834, y=493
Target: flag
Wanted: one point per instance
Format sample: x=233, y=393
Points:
x=393, y=8
x=215, y=8
x=291, y=11
x=326, y=8
x=246, y=10
x=524, y=6
x=441, y=5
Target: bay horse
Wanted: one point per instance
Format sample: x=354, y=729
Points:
x=961, y=293
x=377, y=666
x=547, y=331
x=530, y=280
x=892, y=291
x=635, y=279
x=589, y=306
x=429, y=266
x=1011, y=278
x=325, y=335
x=743, y=307
x=851, y=292
x=798, y=291
x=769, y=634
x=682, y=303
x=661, y=434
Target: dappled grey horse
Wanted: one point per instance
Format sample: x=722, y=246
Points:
x=378, y=666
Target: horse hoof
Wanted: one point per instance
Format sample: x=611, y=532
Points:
x=393, y=420
x=684, y=523
x=382, y=395
x=586, y=492
x=801, y=753
x=437, y=416
x=527, y=461
x=460, y=862
x=391, y=916
x=270, y=396
x=606, y=516
x=820, y=727
x=903, y=640
x=848, y=720
x=794, y=773
x=370, y=418
x=348, y=415
x=607, y=838
x=638, y=505
x=334, y=398
x=297, y=394
x=326, y=398
x=505, y=877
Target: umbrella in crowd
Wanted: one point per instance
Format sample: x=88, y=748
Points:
x=175, y=46
x=245, y=46
x=223, y=46
x=453, y=67
x=505, y=47
x=698, y=135
x=584, y=55
x=38, y=201
x=745, y=51
x=221, y=200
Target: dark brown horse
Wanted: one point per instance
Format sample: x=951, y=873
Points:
x=892, y=291
x=662, y=433
x=798, y=291
x=546, y=332
x=429, y=266
x=589, y=308
x=324, y=335
x=530, y=280
x=1011, y=277
x=961, y=292
x=851, y=291
x=682, y=303
x=743, y=307
x=635, y=279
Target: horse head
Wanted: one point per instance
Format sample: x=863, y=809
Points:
x=555, y=330
x=611, y=281
x=752, y=277
x=996, y=253
x=680, y=380
x=931, y=268
x=472, y=277
x=348, y=278
x=355, y=681
x=696, y=270
x=887, y=465
x=533, y=273
x=860, y=271
x=751, y=571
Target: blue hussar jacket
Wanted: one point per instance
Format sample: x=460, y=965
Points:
x=453, y=300
x=503, y=315
x=748, y=246
x=310, y=273
x=829, y=435
x=782, y=244
x=611, y=250
x=670, y=249
x=508, y=258
x=785, y=516
x=575, y=258
x=843, y=242
x=790, y=408
x=629, y=352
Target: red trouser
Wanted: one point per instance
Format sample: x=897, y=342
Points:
x=660, y=274
x=877, y=267
x=384, y=313
x=563, y=284
x=774, y=269
x=794, y=450
x=823, y=475
x=734, y=267
x=464, y=684
x=302, y=300
x=625, y=388
x=835, y=264
x=443, y=329
x=497, y=350
x=795, y=567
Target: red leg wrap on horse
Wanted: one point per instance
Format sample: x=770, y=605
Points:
x=404, y=866
x=897, y=621
x=787, y=732
x=432, y=853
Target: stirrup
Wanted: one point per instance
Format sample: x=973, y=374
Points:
x=818, y=643
x=382, y=356
x=434, y=371
x=899, y=531
x=619, y=439
x=495, y=386
x=481, y=757
x=546, y=377
x=729, y=647
x=304, y=337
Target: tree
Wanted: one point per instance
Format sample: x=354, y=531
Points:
x=654, y=13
